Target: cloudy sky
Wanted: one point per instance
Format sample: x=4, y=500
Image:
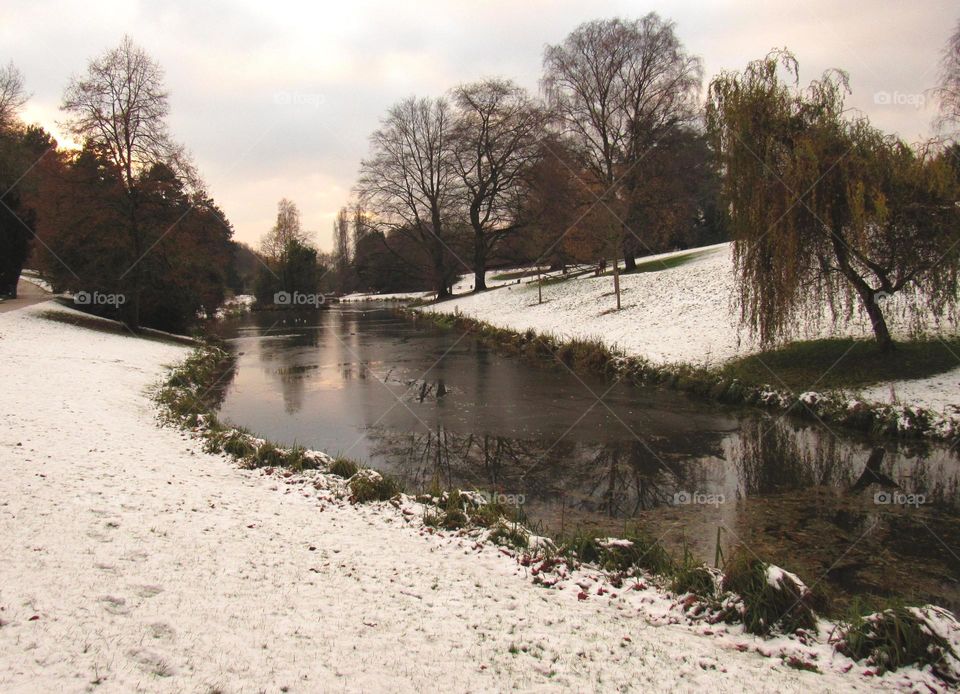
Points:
x=277, y=98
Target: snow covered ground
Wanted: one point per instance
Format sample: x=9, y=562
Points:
x=33, y=277
x=134, y=561
x=684, y=314
x=940, y=392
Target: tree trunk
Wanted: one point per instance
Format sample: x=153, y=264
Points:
x=133, y=313
x=616, y=279
x=629, y=251
x=880, y=330
x=437, y=251
x=443, y=287
x=868, y=296
x=479, y=263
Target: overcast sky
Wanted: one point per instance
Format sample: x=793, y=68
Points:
x=277, y=99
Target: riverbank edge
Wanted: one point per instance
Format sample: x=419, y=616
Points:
x=769, y=603
x=828, y=407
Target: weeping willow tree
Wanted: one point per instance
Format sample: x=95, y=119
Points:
x=825, y=210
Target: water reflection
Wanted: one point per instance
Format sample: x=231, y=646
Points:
x=766, y=456
x=439, y=408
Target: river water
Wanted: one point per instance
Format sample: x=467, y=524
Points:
x=437, y=408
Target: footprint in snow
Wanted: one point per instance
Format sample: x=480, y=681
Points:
x=114, y=605
x=161, y=630
x=151, y=661
x=136, y=555
x=148, y=591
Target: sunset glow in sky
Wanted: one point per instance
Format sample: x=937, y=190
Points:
x=277, y=99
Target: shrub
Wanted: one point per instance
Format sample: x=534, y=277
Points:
x=583, y=547
x=900, y=636
x=770, y=598
x=433, y=519
x=698, y=579
x=268, y=455
x=343, y=467
x=237, y=443
x=370, y=485
x=487, y=515
x=509, y=536
x=633, y=553
x=298, y=460
x=454, y=519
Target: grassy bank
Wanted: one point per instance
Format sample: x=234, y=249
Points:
x=752, y=381
x=845, y=363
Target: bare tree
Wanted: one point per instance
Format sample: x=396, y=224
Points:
x=359, y=225
x=120, y=105
x=408, y=182
x=341, y=248
x=616, y=87
x=948, y=90
x=497, y=133
x=12, y=95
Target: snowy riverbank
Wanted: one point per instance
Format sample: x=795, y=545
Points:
x=135, y=561
x=676, y=315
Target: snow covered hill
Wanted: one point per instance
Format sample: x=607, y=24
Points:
x=674, y=314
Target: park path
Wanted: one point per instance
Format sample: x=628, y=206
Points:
x=27, y=294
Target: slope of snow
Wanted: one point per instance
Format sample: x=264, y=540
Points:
x=134, y=561
x=684, y=314
x=33, y=277
x=934, y=392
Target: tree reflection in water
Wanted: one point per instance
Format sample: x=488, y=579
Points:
x=789, y=494
x=367, y=384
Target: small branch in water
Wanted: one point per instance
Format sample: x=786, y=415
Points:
x=871, y=473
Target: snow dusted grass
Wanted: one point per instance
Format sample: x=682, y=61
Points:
x=679, y=310
x=891, y=638
x=135, y=560
x=845, y=363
